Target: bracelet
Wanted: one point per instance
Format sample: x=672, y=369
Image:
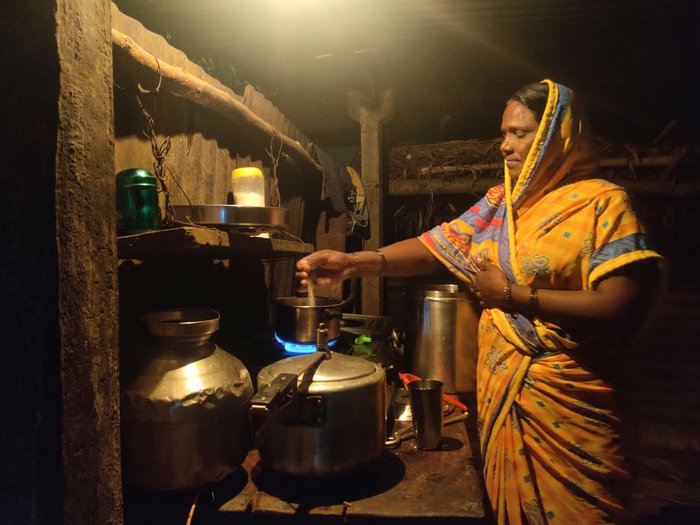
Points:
x=533, y=298
x=355, y=259
x=507, y=292
x=383, y=257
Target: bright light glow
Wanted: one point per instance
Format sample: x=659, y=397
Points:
x=192, y=377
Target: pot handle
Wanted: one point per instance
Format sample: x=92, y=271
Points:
x=330, y=315
x=346, y=301
x=393, y=441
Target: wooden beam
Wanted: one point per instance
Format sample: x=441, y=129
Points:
x=442, y=186
x=478, y=183
x=180, y=83
x=481, y=185
x=659, y=160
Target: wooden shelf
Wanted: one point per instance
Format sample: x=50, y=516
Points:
x=194, y=240
x=402, y=484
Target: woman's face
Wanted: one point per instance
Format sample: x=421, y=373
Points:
x=518, y=129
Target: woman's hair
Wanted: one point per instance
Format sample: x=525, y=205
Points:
x=534, y=97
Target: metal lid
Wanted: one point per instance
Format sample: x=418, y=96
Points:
x=438, y=287
x=247, y=171
x=438, y=291
x=182, y=322
x=339, y=367
x=136, y=176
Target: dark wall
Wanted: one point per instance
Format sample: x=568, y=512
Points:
x=59, y=459
x=31, y=475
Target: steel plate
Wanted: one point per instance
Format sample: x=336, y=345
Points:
x=247, y=220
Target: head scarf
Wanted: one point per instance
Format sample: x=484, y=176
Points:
x=561, y=153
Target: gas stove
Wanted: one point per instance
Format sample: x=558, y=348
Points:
x=366, y=336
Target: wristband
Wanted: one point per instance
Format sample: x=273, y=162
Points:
x=533, y=298
x=356, y=260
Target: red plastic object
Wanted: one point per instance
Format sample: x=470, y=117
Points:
x=406, y=378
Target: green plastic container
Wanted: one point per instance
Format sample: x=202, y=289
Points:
x=137, y=202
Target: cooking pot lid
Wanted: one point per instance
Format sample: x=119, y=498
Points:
x=306, y=302
x=340, y=367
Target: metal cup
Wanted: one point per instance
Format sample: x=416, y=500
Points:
x=426, y=407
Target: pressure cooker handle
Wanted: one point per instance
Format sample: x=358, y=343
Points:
x=278, y=399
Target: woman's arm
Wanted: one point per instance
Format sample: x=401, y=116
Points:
x=621, y=296
x=402, y=259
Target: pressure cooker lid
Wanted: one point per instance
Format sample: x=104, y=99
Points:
x=340, y=367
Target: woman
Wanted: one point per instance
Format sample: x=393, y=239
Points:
x=560, y=264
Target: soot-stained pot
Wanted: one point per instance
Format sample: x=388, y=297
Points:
x=326, y=422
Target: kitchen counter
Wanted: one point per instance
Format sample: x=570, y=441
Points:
x=404, y=484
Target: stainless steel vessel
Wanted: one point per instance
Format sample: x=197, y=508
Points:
x=297, y=318
x=440, y=340
x=248, y=220
x=330, y=423
x=184, y=405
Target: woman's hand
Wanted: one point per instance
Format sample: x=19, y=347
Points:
x=490, y=285
x=325, y=267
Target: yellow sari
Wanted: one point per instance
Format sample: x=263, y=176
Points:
x=548, y=424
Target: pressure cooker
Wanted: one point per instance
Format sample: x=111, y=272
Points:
x=321, y=414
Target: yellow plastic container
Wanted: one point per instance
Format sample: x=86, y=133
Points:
x=248, y=187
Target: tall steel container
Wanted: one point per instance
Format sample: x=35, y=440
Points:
x=440, y=335
x=185, y=405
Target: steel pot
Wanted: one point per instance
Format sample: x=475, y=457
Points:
x=184, y=404
x=297, y=319
x=319, y=415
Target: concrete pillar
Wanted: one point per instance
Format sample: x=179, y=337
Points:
x=371, y=113
x=59, y=375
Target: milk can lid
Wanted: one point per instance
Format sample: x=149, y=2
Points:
x=135, y=176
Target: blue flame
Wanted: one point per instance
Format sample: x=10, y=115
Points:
x=301, y=348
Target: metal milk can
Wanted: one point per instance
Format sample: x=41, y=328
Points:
x=441, y=323
x=184, y=405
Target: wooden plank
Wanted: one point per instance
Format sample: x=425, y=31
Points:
x=194, y=240
x=130, y=55
x=659, y=160
x=479, y=185
x=438, y=186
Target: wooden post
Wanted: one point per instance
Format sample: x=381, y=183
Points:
x=371, y=113
x=330, y=234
